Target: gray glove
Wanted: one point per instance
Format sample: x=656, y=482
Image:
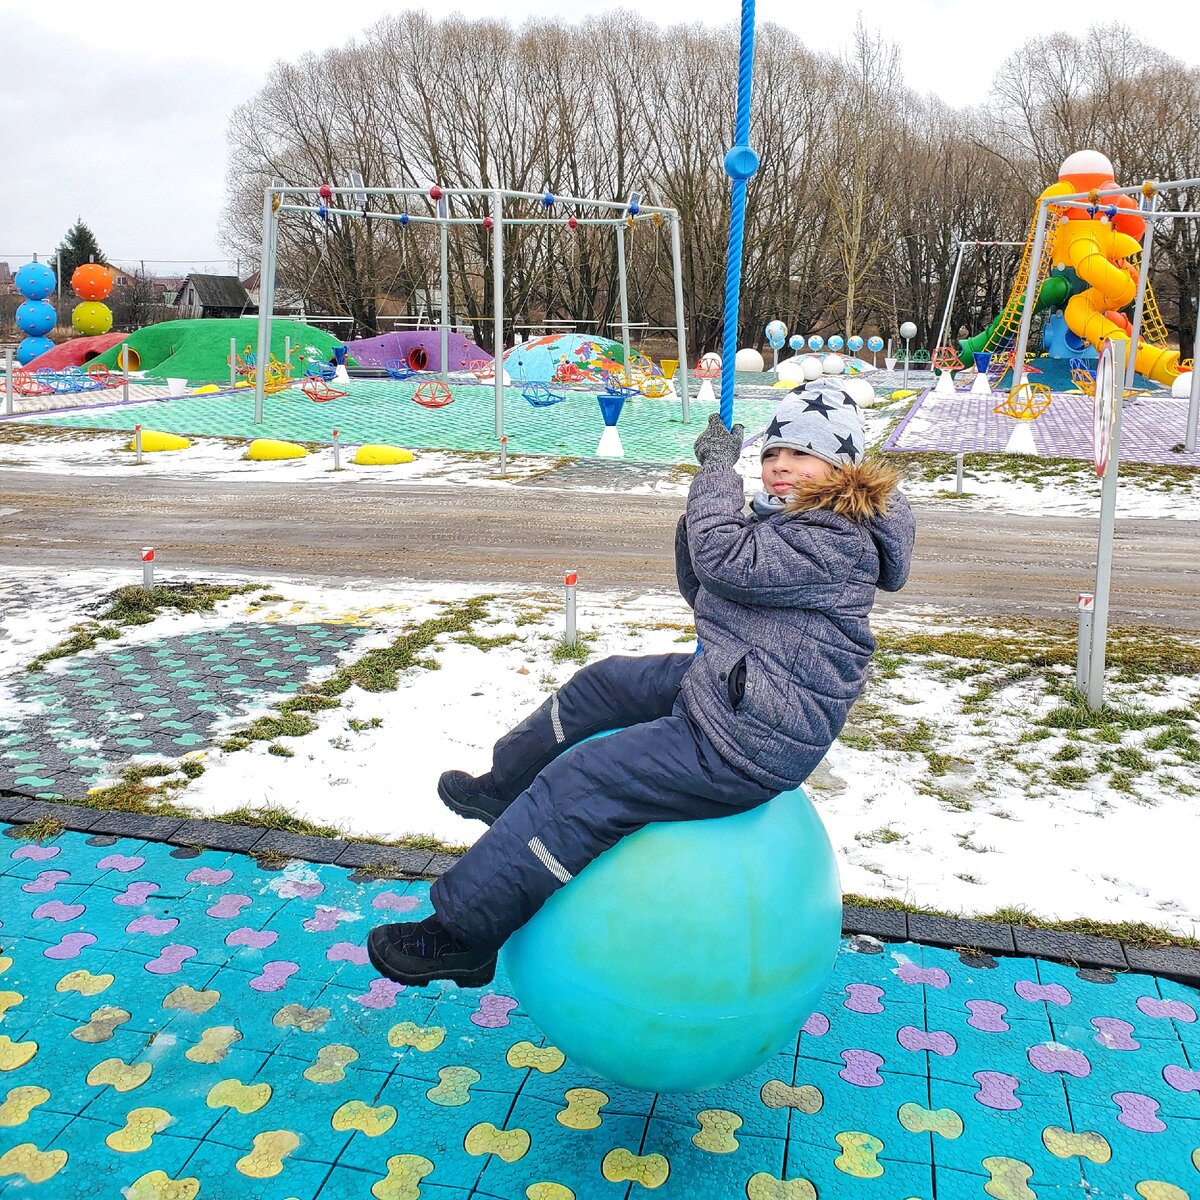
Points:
x=718, y=444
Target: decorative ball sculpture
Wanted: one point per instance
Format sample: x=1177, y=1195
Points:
x=711, y=359
x=835, y=343
x=908, y=330
x=875, y=344
x=812, y=366
x=92, y=318
x=34, y=281
x=31, y=348
x=796, y=342
x=35, y=318
x=690, y=952
x=854, y=344
x=833, y=364
x=92, y=281
x=775, y=331
x=749, y=361
x=815, y=342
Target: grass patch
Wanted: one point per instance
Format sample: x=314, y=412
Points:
x=360, y=726
x=881, y=837
x=480, y=642
x=44, y=829
x=280, y=750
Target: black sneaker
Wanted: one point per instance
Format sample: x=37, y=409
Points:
x=418, y=952
x=470, y=796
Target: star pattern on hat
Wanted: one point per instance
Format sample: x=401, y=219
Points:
x=775, y=429
x=846, y=445
x=817, y=404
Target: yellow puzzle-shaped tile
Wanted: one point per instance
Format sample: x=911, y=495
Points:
x=5, y=963
x=420, y=1037
x=15, y=1054
x=307, y=1020
x=1009, y=1179
x=806, y=1098
x=84, y=982
x=104, y=1023
x=1155, y=1189
x=508, y=1145
x=36, y=1165
x=213, y=1045
x=860, y=1154
x=623, y=1166
x=717, y=1127
x=371, y=1122
x=121, y=1076
x=1088, y=1144
x=453, y=1087
x=270, y=1149
x=583, y=1108
x=403, y=1178
x=158, y=1185
x=140, y=1127
x=767, y=1187
x=245, y=1097
x=187, y=998
x=549, y=1191
x=331, y=1064
x=10, y=1000
x=546, y=1059
x=20, y=1102
x=943, y=1121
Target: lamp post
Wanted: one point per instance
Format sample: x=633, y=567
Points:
x=908, y=331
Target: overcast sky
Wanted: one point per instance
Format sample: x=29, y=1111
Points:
x=117, y=112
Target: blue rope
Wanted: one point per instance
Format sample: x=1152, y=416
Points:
x=740, y=163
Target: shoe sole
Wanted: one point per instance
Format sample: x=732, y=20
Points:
x=464, y=810
x=479, y=977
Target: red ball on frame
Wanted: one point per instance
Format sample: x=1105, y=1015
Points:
x=488, y=222
x=435, y=192
x=325, y=191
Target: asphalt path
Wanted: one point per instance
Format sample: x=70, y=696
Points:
x=978, y=563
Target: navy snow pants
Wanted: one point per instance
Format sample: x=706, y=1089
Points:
x=568, y=808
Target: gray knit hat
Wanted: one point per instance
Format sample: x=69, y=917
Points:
x=820, y=419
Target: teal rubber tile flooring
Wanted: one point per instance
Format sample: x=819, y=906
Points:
x=652, y=430
x=181, y=1024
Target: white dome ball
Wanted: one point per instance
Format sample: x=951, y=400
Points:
x=1182, y=387
x=859, y=390
x=791, y=370
x=749, y=360
x=833, y=364
x=812, y=366
x=1086, y=162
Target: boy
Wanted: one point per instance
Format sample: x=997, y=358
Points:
x=781, y=599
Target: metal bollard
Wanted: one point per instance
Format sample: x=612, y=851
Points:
x=504, y=457
x=337, y=452
x=125, y=369
x=569, y=582
x=958, y=474
x=8, y=381
x=1083, y=652
x=137, y=444
x=233, y=362
x=148, y=567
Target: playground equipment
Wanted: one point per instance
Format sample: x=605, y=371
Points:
x=92, y=283
x=322, y=201
x=318, y=389
x=540, y=395
x=1085, y=261
x=417, y=350
x=661, y=966
x=35, y=317
x=433, y=394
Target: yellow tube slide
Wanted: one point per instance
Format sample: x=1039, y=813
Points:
x=1091, y=248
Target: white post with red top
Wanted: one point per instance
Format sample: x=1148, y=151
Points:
x=569, y=581
x=148, y=567
x=137, y=444
x=504, y=457
x=337, y=455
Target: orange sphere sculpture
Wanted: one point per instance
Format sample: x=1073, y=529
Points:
x=92, y=281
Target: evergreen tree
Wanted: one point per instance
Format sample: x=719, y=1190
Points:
x=78, y=247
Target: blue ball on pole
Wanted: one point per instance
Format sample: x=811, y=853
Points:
x=31, y=348
x=689, y=953
x=796, y=341
x=875, y=344
x=35, y=281
x=36, y=318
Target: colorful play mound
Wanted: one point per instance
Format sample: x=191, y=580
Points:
x=199, y=350
x=419, y=349
x=537, y=360
x=75, y=352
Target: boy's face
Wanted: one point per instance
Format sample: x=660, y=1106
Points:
x=784, y=468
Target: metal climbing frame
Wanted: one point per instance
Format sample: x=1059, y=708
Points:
x=616, y=214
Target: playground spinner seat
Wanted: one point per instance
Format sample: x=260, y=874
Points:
x=320, y=370
x=398, y=369
x=103, y=376
x=655, y=387
x=705, y=371
x=1026, y=402
x=318, y=390
x=433, y=394
x=540, y=395
x=483, y=370
x=569, y=373
x=24, y=384
x=946, y=358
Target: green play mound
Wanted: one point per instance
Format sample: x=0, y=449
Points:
x=199, y=350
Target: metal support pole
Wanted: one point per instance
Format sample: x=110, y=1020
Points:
x=1189, y=441
x=504, y=457
x=623, y=287
x=287, y=352
x=1104, y=549
x=681, y=328
x=1140, y=303
x=148, y=567
x=337, y=452
x=958, y=474
x=1083, y=651
x=498, y=304
x=137, y=444
x=8, y=381
x=1031, y=290
x=907, y=356
x=233, y=359
x=444, y=239
x=266, y=300
x=125, y=372
x=950, y=299
x=569, y=581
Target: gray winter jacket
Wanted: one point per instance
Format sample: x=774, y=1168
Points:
x=781, y=606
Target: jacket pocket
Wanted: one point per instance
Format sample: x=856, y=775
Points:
x=735, y=685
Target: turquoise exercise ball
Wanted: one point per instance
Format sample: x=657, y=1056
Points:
x=34, y=281
x=35, y=318
x=689, y=953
